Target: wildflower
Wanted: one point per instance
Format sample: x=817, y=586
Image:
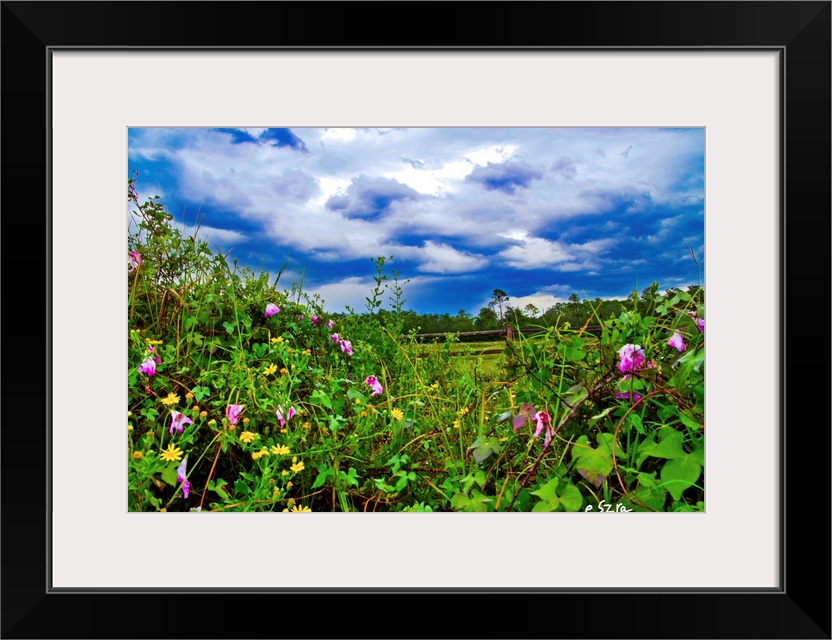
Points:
x=148, y=367
x=171, y=453
x=527, y=412
x=676, y=341
x=259, y=454
x=277, y=340
x=297, y=509
x=284, y=371
x=330, y=324
x=456, y=423
x=178, y=421
x=135, y=260
x=197, y=509
x=180, y=477
x=307, y=425
x=296, y=467
x=374, y=384
x=270, y=369
x=149, y=341
x=280, y=450
x=232, y=412
x=246, y=420
x=628, y=395
x=189, y=395
x=542, y=421
x=346, y=346
x=396, y=414
x=631, y=357
x=247, y=436
x=334, y=338
x=700, y=324
x=211, y=422
x=137, y=455
x=203, y=414
x=314, y=321
x=463, y=411
x=171, y=399
x=195, y=408
x=271, y=309
x=289, y=415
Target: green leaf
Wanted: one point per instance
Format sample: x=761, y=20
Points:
x=593, y=464
x=485, y=447
x=571, y=499
x=670, y=446
x=169, y=474
x=679, y=474
x=324, y=471
x=548, y=496
x=228, y=327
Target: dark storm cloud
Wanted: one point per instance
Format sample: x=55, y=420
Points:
x=370, y=198
x=506, y=177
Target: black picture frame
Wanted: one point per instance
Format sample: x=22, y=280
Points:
x=800, y=31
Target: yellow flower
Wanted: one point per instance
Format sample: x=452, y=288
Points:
x=284, y=473
x=284, y=371
x=270, y=369
x=288, y=351
x=260, y=454
x=137, y=455
x=129, y=427
x=363, y=414
x=277, y=340
x=463, y=411
x=280, y=450
x=288, y=485
x=456, y=424
x=307, y=425
x=297, y=467
x=247, y=436
x=171, y=453
x=397, y=414
x=129, y=413
x=211, y=421
x=246, y=420
x=195, y=407
x=163, y=510
x=284, y=431
x=297, y=509
x=291, y=501
x=204, y=414
x=358, y=401
x=149, y=341
x=171, y=399
x=189, y=395
x=308, y=352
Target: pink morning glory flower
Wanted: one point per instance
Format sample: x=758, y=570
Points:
x=374, y=384
x=289, y=415
x=180, y=477
x=625, y=396
x=527, y=412
x=542, y=421
x=178, y=421
x=148, y=367
x=631, y=357
x=232, y=412
x=314, y=321
x=330, y=324
x=346, y=345
x=135, y=260
x=700, y=324
x=334, y=338
x=271, y=309
x=676, y=341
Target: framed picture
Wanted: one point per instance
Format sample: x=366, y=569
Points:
x=755, y=76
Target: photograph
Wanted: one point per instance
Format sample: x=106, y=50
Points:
x=416, y=319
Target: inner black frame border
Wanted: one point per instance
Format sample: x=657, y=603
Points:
x=30, y=607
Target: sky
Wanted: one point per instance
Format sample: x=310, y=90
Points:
x=539, y=213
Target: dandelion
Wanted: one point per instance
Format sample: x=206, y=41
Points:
x=289, y=415
x=296, y=467
x=334, y=338
x=631, y=357
x=171, y=399
x=270, y=369
x=271, y=309
x=676, y=341
x=346, y=346
x=178, y=421
x=397, y=414
x=247, y=436
x=135, y=260
x=280, y=450
x=172, y=453
x=232, y=412
x=148, y=367
x=375, y=385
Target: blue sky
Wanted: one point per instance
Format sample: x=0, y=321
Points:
x=539, y=213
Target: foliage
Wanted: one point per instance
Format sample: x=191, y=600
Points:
x=244, y=396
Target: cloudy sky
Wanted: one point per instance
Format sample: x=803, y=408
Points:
x=538, y=213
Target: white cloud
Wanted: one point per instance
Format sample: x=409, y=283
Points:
x=443, y=258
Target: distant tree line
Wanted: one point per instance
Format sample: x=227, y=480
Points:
x=501, y=312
